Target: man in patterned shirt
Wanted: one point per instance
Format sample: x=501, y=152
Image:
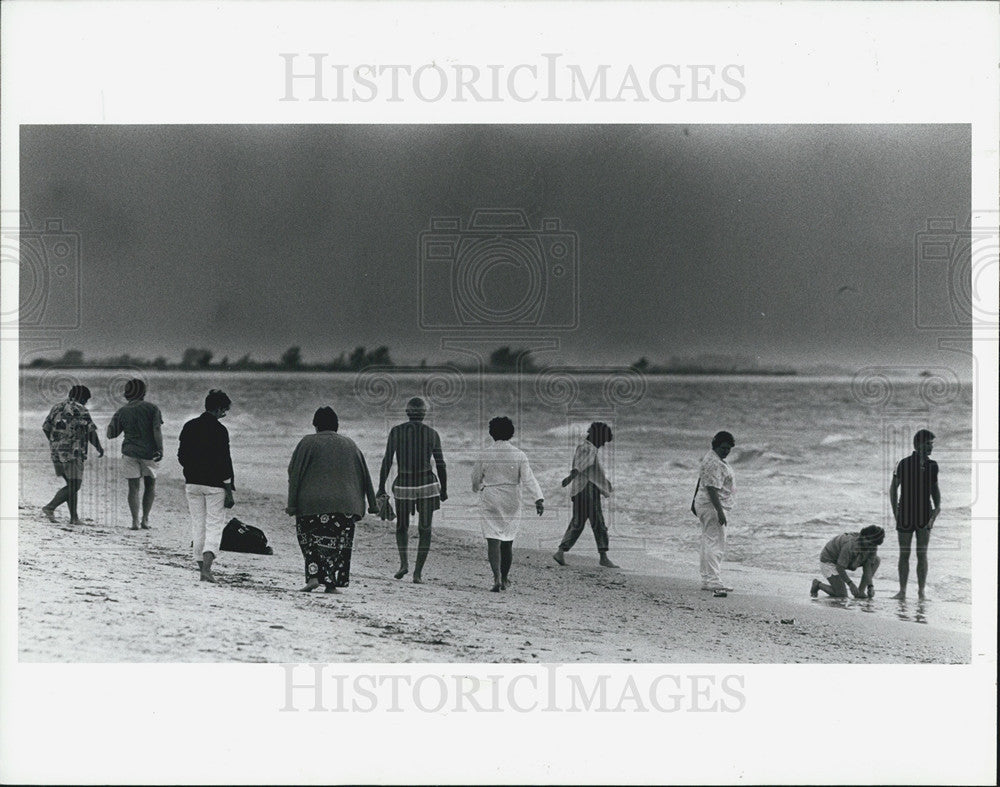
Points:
x=69, y=429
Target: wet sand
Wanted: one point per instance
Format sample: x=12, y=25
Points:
x=100, y=592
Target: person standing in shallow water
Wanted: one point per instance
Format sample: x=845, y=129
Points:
x=69, y=429
x=416, y=489
x=587, y=482
x=498, y=476
x=916, y=503
x=328, y=484
x=714, y=497
x=142, y=449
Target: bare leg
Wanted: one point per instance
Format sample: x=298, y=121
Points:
x=73, y=487
x=923, y=539
x=424, y=544
x=905, y=539
x=506, y=559
x=133, y=500
x=60, y=497
x=206, y=567
x=402, y=533
x=148, y=496
x=837, y=587
x=493, y=555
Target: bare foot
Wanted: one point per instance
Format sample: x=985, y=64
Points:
x=417, y=580
x=495, y=588
x=606, y=562
x=900, y=596
x=144, y=525
x=331, y=589
x=921, y=595
x=50, y=514
x=814, y=590
x=558, y=557
x=74, y=521
x=403, y=571
x=310, y=586
x=207, y=575
x=504, y=584
x=134, y=527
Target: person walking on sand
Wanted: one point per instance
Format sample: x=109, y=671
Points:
x=142, y=448
x=498, y=475
x=587, y=482
x=209, y=481
x=328, y=484
x=714, y=496
x=916, y=503
x=849, y=552
x=69, y=429
x=416, y=488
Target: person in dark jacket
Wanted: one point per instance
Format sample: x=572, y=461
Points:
x=208, y=476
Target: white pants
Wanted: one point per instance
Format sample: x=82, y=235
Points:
x=207, y=514
x=713, y=545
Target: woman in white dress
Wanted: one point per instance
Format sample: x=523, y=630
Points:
x=497, y=476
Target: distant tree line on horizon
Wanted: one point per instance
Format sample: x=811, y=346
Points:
x=503, y=359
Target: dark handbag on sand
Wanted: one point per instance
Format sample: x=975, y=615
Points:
x=240, y=537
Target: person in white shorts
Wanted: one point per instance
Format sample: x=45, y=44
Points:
x=208, y=474
x=142, y=449
x=849, y=552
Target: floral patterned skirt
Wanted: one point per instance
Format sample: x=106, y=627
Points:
x=326, y=541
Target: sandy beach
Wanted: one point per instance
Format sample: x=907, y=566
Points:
x=99, y=592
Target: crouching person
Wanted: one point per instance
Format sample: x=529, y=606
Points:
x=849, y=552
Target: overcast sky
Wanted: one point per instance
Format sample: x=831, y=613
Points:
x=791, y=244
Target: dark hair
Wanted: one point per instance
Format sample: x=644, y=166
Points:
x=326, y=420
x=721, y=438
x=501, y=428
x=416, y=409
x=135, y=389
x=217, y=399
x=923, y=436
x=79, y=393
x=873, y=534
x=599, y=431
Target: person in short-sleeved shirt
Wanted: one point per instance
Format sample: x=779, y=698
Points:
x=69, y=430
x=587, y=482
x=916, y=502
x=142, y=448
x=715, y=494
x=849, y=552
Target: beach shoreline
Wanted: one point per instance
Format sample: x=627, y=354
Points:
x=100, y=592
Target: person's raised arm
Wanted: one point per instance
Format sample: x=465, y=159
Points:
x=390, y=449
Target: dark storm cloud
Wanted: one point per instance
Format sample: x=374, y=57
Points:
x=792, y=243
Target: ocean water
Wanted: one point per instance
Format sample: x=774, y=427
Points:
x=814, y=456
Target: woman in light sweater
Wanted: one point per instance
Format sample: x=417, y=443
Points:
x=328, y=485
x=498, y=475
